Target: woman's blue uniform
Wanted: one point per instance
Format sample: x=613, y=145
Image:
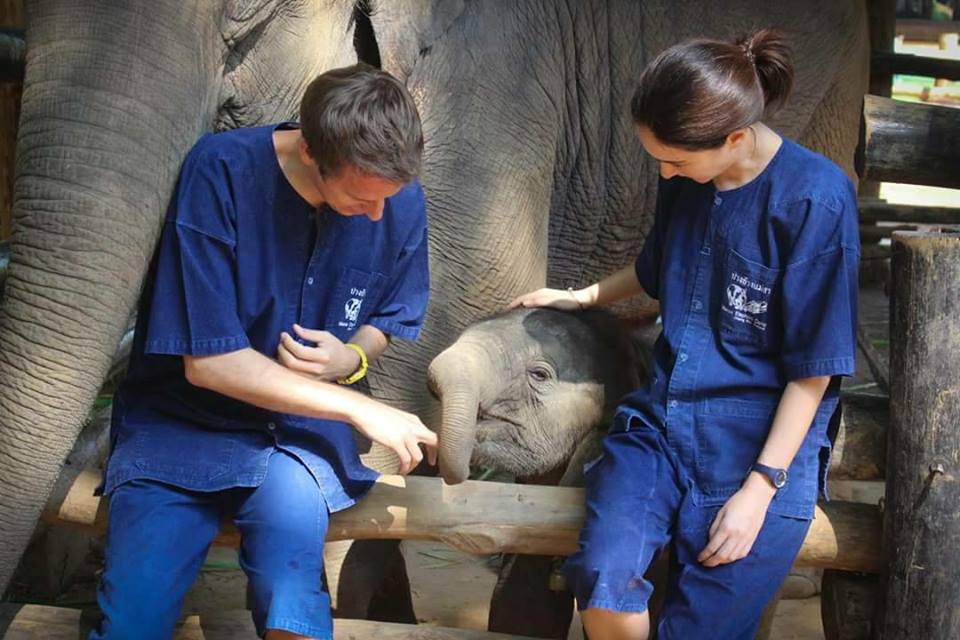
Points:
x=757, y=287
x=242, y=258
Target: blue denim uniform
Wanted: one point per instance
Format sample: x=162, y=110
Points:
x=757, y=287
x=243, y=257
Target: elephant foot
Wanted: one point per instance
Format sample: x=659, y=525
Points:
x=523, y=603
x=373, y=583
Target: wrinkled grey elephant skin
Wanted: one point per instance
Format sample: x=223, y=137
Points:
x=532, y=172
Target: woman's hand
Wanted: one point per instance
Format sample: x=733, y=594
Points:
x=564, y=299
x=329, y=360
x=738, y=523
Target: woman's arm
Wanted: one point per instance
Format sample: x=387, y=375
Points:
x=617, y=286
x=738, y=523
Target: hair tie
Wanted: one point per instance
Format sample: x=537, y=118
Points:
x=748, y=51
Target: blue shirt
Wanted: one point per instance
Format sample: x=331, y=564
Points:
x=757, y=287
x=243, y=257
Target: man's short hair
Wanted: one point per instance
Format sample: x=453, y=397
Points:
x=362, y=116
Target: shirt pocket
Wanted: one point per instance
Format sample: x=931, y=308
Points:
x=749, y=300
x=355, y=297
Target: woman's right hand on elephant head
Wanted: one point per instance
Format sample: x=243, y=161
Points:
x=563, y=299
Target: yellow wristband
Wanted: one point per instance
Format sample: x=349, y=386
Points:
x=361, y=370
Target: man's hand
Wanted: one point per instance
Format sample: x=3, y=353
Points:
x=399, y=431
x=329, y=360
x=738, y=523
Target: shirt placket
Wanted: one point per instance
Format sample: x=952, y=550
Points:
x=309, y=299
x=695, y=336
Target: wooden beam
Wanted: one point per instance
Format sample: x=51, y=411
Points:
x=884, y=212
x=491, y=517
x=882, y=18
x=910, y=143
x=859, y=452
x=925, y=30
x=887, y=63
x=921, y=527
x=33, y=622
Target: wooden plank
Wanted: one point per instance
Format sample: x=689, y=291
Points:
x=910, y=143
x=921, y=541
x=887, y=63
x=491, y=517
x=35, y=622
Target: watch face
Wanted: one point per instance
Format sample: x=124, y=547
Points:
x=779, y=478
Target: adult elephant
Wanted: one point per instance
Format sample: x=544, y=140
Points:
x=531, y=169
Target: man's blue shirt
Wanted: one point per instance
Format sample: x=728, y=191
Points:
x=243, y=257
x=757, y=287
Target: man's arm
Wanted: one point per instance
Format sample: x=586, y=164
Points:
x=253, y=378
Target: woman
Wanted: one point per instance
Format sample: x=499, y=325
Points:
x=753, y=256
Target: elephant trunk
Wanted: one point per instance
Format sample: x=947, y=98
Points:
x=97, y=155
x=456, y=377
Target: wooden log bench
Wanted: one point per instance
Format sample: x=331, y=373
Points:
x=490, y=517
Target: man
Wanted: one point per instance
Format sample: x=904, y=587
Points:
x=289, y=254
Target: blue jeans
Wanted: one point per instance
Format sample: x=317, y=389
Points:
x=638, y=502
x=158, y=537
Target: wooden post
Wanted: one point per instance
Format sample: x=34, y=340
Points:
x=882, y=21
x=921, y=522
x=11, y=17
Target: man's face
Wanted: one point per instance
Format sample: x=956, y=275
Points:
x=353, y=193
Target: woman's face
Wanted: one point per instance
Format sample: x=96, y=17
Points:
x=702, y=166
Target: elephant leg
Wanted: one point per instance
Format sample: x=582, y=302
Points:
x=373, y=583
x=523, y=603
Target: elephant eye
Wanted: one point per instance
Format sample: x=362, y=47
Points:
x=540, y=373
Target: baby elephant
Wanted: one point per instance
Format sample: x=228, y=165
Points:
x=531, y=392
x=522, y=391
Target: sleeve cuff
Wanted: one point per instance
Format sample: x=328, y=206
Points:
x=815, y=368
x=396, y=329
x=209, y=347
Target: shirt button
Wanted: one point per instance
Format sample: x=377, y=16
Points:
x=310, y=280
x=271, y=426
x=697, y=305
x=683, y=357
x=717, y=201
x=673, y=404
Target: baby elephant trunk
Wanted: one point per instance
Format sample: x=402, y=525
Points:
x=456, y=376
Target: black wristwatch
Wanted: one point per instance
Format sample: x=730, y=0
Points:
x=777, y=477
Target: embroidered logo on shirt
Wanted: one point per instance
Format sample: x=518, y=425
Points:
x=739, y=303
x=351, y=310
